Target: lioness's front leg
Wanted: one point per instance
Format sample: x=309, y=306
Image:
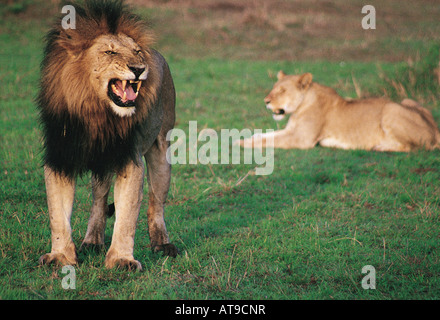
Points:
x=128, y=197
x=284, y=139
x=60, y=193
x=158, y=177
x=259, y=140
x=276, y=139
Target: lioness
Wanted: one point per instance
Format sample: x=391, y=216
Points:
x=319, y=115
x=107, y=99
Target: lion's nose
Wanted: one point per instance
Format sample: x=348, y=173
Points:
x=137, y=71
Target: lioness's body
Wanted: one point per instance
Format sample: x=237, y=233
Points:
x=319, y=115
x=106, y=102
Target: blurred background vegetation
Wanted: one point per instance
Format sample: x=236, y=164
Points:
x=406, y=32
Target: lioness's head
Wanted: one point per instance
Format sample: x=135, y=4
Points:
x=287, y=94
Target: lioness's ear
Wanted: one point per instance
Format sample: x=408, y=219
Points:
x=305, y=80
x=280, y=75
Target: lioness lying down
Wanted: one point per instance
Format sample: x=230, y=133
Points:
x=319, y=115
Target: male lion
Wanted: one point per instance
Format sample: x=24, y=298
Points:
x=106, y=99
x=320, y=115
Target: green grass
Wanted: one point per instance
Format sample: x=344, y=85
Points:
x=303, y=232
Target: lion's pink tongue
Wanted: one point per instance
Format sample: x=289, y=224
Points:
x=129, y=92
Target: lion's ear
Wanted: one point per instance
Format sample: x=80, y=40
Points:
x=305, y=80
x=68, y=40
x=280, y=75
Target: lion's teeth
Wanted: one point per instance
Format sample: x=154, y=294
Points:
x=114, y=88
x=124, y=97
x=138, y=86
x=124, y=84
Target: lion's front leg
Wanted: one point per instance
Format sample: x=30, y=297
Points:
x=158, y=176
x=60, y=194
x=128, y=197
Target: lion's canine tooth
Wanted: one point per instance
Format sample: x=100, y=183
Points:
x=124, y=84
x=124, y=97
x=139, y=85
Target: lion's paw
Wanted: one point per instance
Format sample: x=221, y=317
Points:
x=57, y=258
x=168, y=249
x=124, y=263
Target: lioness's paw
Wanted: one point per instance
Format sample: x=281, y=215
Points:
x=168, y=249
x=57, y=258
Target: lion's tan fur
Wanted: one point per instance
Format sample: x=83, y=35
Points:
x=319, y=115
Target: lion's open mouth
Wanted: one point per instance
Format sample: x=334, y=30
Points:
x=124, y=92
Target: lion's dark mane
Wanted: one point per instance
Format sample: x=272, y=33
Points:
x=68, y=148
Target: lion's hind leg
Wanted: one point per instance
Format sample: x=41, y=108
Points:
x=94, y=237
x=158, y=176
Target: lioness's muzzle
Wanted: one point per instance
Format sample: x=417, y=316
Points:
x=278, y=111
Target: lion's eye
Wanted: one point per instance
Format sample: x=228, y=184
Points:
x=138, y=51
x=110, y=52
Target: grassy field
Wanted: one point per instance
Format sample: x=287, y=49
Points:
x=303, y=232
